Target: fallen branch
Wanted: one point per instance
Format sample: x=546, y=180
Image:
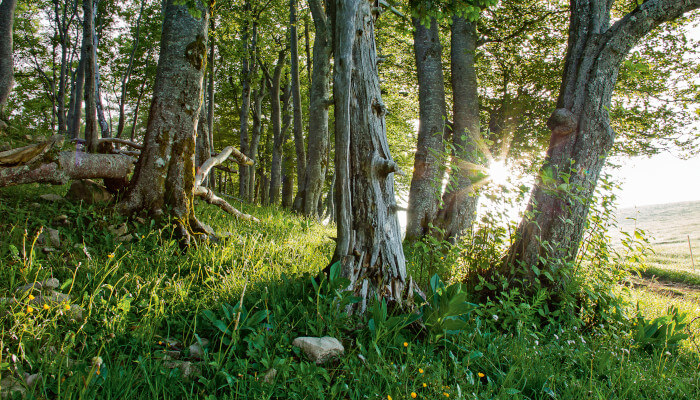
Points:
x=210, y=197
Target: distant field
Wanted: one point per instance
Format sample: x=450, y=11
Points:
x=668, y=226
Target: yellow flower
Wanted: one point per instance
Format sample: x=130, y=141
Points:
x=413, y=395
x=446, y=394
x=420, y=370
x=31, y=297
x=111, y=255
x=425, y=384
x=481, y=375
x=405, y=344
x=66, y=307
x=160, y=342
x=46, y=306
x=30, y=309
x=388, y=397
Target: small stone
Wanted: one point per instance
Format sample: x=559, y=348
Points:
x=169, y=355
x=88, y=191
x=54, y=237
x=76, y=312
x=118, y=230
x=32, y=379
x=269, y=376
x=35, y=205
x=319, y=350
x=52, y=197
x=51, y=283
x=187, y=368
x=48, y=250
x=61, y=220
x=197, y=350
x=10, y=386
x=126, y=238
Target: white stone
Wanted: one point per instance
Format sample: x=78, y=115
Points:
x=319, y=350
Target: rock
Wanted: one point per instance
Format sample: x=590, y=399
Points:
x=126, y=238
x=10, y=386
x=187, y=368
x=88, y=191
x=118, y=230
x=35, y=205
x=319, y=350
x=52, y=197
x=48, y=250
x=32, y=379
x=54, y=238
x=51, y=283
x=61, y=220
x=197, y=349
x=269, y=376
x=76, y=312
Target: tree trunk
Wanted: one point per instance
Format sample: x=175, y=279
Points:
x=165, y=174
x=258, y=96
x=319, y=141
x=426, y=183
x=126, y=78
x=142, y=91
x=276, y=122
x=459, y=200
x=104, y=125
x=76, y=102
x=210, y=93
x=246, y=75
x=91, y=135
x=7, y=78
x=202, y=147
x=63, y=24
x=369, y=238
x=296, y=98
x=553, y=225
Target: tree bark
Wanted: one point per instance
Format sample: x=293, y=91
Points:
x=210, y=87
x=7, y=78
x=76, y=102
x=426, y=183
x=276, y=122
x=165, y=174
x=319, y=102
x=258, y=96
x=553, y=225
x=459, y=200
x=246, y=74
x=99, y=108
x=296, y=98
x=63, y=23
x=91, y=135
x=126, y=78
x=368, y=246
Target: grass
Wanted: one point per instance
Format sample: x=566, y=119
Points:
x=146, y=302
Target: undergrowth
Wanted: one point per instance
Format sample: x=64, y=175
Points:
x=244, y=299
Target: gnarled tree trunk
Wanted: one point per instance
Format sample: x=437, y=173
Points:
x=165, y=174
x=369, y=238
x=552, y=228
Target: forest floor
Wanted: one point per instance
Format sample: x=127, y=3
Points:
x=143, y=319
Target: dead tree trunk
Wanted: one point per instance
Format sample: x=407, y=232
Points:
x=426, y=183
x=165, y=174
x=553, y=225
x=369, y=238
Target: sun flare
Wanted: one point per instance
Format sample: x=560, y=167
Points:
x=499, y=172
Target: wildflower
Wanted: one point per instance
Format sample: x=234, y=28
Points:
x=414, y=395
x=388, y=397
x=30, y=309
x=481, y=374
x=405, y=344
x=495, y=317
x=446, y=394
x=425, y=384
x=420, y=370
x=66, y=307
x=46, y=306
x=160, y=342
x=31, y=297
x=110, y=255
x=537, y=342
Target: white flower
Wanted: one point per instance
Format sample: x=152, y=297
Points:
x=495, y=317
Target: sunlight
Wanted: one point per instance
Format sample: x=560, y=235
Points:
x=499, y=172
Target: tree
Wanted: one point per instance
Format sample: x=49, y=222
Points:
x=582, y=137
x=319, y=102
x=7, y=15
x=296, y=96
x=428, y=170
x=165, y=174
x=368, y=246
